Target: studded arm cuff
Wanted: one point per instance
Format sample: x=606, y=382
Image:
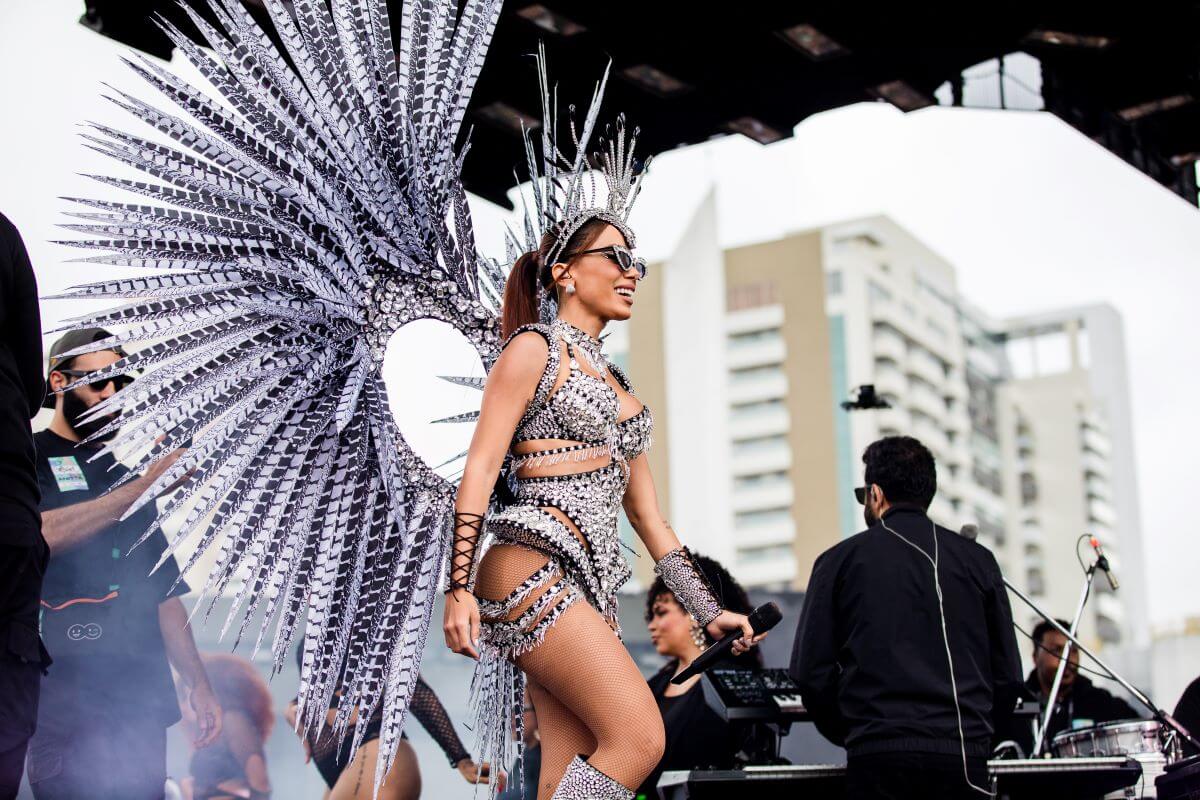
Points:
x=683, y=577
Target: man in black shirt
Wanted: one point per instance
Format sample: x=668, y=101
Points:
x=110, y=624
x=1080, y=703
x=23, y=552
x=1187, y=713
x=885, y=612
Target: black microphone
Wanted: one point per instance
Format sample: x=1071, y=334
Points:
x=762, y=619
x=1102, y=563
x=969, y=531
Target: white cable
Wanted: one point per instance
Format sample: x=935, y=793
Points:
x=937, y=586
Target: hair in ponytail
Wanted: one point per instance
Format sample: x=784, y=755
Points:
x=531, y=272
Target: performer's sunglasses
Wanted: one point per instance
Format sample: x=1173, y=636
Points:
x=119, y=382
x=617, y=254
x=860, y=494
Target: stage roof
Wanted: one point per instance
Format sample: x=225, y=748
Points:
x=1126, y=75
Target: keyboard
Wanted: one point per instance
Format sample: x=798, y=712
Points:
x=1060, y=778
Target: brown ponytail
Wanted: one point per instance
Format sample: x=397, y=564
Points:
x=520, y=304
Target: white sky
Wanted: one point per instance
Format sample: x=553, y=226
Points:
x=1032, y=214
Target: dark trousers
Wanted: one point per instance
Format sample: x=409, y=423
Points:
x=18, y=716
x=914, y=776
x=100, y=756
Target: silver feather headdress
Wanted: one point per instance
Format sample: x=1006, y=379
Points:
x=565, y=191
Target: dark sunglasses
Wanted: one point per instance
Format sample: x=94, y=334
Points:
x=618, y=255
x=860, y=494
x=119, y=382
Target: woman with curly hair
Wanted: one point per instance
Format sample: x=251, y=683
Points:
x=695, y=736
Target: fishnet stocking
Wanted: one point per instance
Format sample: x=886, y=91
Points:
x=589, y=696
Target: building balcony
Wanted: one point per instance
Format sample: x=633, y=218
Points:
x=1032, y=534
x=894, y=419
x=760, y=318
x=755, y=353
x=890, y=382
x=920, y=398
x=769, y=494
x=1096, y=442
x=1098, y=488
x=758, y=423
x=774, y=570
x=888, y=344
x=926, y=367
x=756, y=388
x=932, y=437
x=776, y=532
x=1096, y=465
x=775, y=458
x=1100, y=511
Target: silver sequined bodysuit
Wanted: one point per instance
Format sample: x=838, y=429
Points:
x=583, y=411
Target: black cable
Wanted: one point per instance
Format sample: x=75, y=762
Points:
x=1039, y=646
x=1078, y=557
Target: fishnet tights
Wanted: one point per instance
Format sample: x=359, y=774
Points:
x=589, y=696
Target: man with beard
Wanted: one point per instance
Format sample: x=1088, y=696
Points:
x=111, y=626
x=905, y=653
x=1079, y=704
x=23, y=552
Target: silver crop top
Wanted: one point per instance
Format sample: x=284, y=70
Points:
x=584, y=408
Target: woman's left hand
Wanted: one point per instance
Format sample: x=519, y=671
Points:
x=478, y=773
x=728, y=621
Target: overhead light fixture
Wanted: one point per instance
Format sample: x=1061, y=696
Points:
x=1183, y=159
x=1064, y=39
x=550, y=21
x=1154, y=106
x=902, y=95
x=655, y=81
x=505, y=116
x=754, y=129
x=810, y=41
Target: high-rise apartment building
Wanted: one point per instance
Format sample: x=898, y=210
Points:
x=756, y=461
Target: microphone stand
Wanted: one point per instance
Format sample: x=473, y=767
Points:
x=1159, y=714
x=1040, y=740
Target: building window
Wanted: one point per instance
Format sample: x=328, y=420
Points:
x=1029, y=489
x=763, y=480
x=833, y=283
x=751, y=295
x=762, y=555
x=770, y=516
x=878, y=294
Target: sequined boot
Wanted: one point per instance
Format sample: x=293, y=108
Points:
x=582, y=781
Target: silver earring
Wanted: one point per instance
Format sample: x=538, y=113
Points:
x=697, y=634
x=570, y=288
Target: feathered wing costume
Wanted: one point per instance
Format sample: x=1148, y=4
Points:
x=296, y=221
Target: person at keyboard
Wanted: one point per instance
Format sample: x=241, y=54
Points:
x=905, y=650
x=696, y=737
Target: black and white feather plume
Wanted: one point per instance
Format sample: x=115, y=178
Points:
x=296, y=220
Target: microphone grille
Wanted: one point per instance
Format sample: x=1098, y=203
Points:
x=969, y=531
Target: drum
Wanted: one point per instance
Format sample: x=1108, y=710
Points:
x=1142, y=740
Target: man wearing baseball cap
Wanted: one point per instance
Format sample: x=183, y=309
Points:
x=113, y=628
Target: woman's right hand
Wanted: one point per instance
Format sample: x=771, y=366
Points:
x=461, y=623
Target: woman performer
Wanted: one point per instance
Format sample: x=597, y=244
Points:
x=696, y=737
x=543, y=596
